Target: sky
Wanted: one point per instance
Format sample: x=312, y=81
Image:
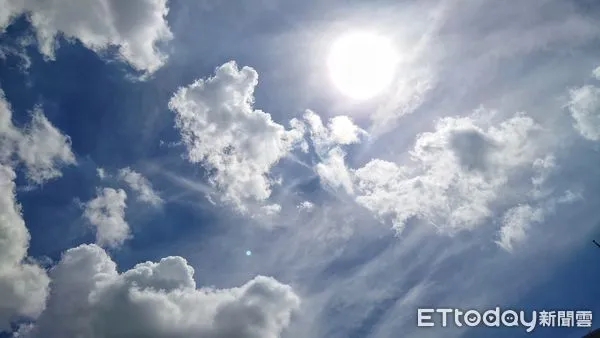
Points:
x=177, y=168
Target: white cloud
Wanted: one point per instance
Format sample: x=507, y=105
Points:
x=570, y=196
x=141, y=186
x=340, y=130
x=89, y=298
x=410, y=92
x=8, y=132
x=333, y=171
x=135, y=27
x=516, y=222
x=39, y=146
x=455, y=174
x=327, y=142
x=543, y=169
x=23, y=285
x=106, y=212
x=221, y=129
x=43, y=148
x=596, y=73
x=344, y=131
x=305, y=205
x=19, y=51
x=271, y=209
x=101, y=173
x=585, y=109
x=313, y=124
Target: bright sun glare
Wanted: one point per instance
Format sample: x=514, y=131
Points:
x=362, y=65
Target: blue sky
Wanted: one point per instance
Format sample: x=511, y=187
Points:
x=146, y=146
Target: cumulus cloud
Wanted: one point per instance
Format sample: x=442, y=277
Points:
x=134, y=27
x=140, y=185
x=40, y=147
x=585, y=110
x=221, y=130
x=340, y=130
x=43, y=148
x=106, y=212
x=344, y=131
x=89, y=298
x=23, y=285
x=455, y=173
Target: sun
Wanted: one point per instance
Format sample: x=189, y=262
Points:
x=362, y=64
